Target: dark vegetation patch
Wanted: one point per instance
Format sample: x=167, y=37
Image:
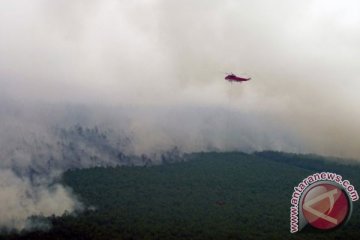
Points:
x=210, y=196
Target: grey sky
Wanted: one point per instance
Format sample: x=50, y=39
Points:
x=302, y=56
x=154, y=69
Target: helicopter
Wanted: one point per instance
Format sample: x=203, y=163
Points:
x=233, y=78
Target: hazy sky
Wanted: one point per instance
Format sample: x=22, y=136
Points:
x=302, y=57
x=154, y=69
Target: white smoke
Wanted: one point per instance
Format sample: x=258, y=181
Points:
x=149, y=74
x=20, y=199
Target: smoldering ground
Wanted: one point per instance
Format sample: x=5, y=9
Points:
x=152, y=71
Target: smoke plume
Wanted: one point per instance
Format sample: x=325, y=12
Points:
x=111, y=82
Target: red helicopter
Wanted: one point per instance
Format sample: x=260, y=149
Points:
x=233, y=78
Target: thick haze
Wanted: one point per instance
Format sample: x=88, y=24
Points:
x=302, y=56
x=155, y=70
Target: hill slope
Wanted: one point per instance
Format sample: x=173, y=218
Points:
x=209, y=196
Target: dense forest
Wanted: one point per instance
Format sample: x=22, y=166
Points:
x=212, y=195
